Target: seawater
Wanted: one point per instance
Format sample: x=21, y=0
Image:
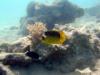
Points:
x=12, y=10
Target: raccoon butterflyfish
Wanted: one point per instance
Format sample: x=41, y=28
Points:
x=54, y=37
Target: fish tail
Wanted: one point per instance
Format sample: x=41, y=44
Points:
x=64, y=36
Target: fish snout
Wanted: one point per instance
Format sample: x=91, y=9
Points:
x=44, y=37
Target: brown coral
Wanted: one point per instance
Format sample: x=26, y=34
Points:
x=36, y=30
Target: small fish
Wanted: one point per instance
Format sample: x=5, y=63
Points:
x=54, y=37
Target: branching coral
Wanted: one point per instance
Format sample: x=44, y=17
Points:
x=37, y=28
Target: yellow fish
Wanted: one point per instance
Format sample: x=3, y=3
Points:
x=54, y=37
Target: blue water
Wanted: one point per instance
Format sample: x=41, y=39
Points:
x=85, y=3
x=12, y=10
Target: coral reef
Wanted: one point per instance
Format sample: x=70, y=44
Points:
x=18, y=60
x=60, y=12
x=78, y=55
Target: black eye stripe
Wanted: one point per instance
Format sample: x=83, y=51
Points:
x=52, y=33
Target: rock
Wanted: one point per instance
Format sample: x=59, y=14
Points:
x=4, y=47
x=98, y=34
x=17, y=60
x=5, y=70
x=21, y=45
x=76, y=55
x=49, y=50
x=2, y=72
x=86, y=71
x=35, y=56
